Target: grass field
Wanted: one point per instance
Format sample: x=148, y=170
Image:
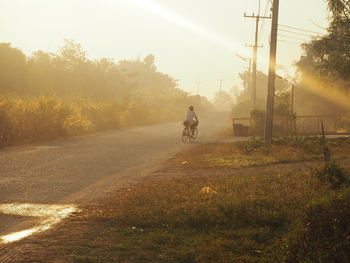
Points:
x=254, y=153
x=274, y=216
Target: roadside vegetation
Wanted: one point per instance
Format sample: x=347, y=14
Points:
x=273, y=215
x=254, y=153
x=50, y=95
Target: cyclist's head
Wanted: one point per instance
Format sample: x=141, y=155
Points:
x=191, y=108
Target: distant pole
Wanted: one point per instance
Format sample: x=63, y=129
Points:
x=293, y=116
x=198, y=82
x=292, y=102
x=220, y=87
x=272, y=74
x=250, y=76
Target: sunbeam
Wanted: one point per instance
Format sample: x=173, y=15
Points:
x=188, y=25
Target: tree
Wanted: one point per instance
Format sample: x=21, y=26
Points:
x=13, y=73
x=223, y=100
x=328, y=57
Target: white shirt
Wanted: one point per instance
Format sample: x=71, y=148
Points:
x=190, y=115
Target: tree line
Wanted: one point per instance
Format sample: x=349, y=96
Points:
x=47, y=95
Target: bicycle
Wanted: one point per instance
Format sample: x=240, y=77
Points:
x=189, y=134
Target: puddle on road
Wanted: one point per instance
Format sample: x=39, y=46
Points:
x=49, y=215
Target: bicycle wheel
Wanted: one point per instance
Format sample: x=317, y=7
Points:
x=185, y=135
x=194, y=135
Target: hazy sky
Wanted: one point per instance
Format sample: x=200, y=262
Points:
x=191, y=39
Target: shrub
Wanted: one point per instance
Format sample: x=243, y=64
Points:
x=247, y=147
x=334, y=174
x=324, y=234
x=32, y=119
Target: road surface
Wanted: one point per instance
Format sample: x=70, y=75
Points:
x=84, y=169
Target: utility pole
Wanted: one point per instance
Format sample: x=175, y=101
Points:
x=220, y=88
x=198, y=82
x=255, y=50
x=220, y=80
x=272, y=74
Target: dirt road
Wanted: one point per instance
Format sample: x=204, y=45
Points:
x=34, y=178
x=83, y=169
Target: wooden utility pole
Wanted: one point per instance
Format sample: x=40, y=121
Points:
x=272, y=74
x=198, y=82
x=255, y=50
x=293, y=116
x=220, y=80
x=250, y=76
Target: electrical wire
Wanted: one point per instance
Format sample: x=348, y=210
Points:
x=291, y=42
x=262, y=27
x=296, y=33
x=300, y=29
x=293, y=37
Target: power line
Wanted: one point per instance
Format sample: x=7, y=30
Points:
x=291, y=42
x=262, y=27
x=296, y=33
x=292, y=37
x=300, y=29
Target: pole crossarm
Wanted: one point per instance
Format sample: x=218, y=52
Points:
x=259, y=17
x=251, y=45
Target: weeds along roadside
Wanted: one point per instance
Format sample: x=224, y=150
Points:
x=44, y=118
x=253, y=218
x=269, y=216
x=253, y=153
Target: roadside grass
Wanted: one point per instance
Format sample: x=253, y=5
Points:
x=237, y=219
x=259, y=216
x=255, y=153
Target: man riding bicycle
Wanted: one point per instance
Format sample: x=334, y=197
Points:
x=189, y=121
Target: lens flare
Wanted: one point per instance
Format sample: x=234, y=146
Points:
x=188, y=25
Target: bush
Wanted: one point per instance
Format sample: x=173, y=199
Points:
x=247, y=147
x=324, y=234
x=334, y=174
x=32, y=119
x=47, y=117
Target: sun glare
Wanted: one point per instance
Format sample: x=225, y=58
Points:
x=49, y=215
x=188, y=25
x=331, y=93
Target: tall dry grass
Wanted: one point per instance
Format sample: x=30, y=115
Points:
x=45, y=118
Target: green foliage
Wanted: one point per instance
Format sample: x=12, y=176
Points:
x=43, y=118
x=243, y=106
x=334, y=174
x=308, y=145
x=257, y=127
x=32, y=119
x=243, y=221
x=324, y=233
x=282, y=106
x=247, y=147
x=327, y=57
x=223, y=100
x=67, y=93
